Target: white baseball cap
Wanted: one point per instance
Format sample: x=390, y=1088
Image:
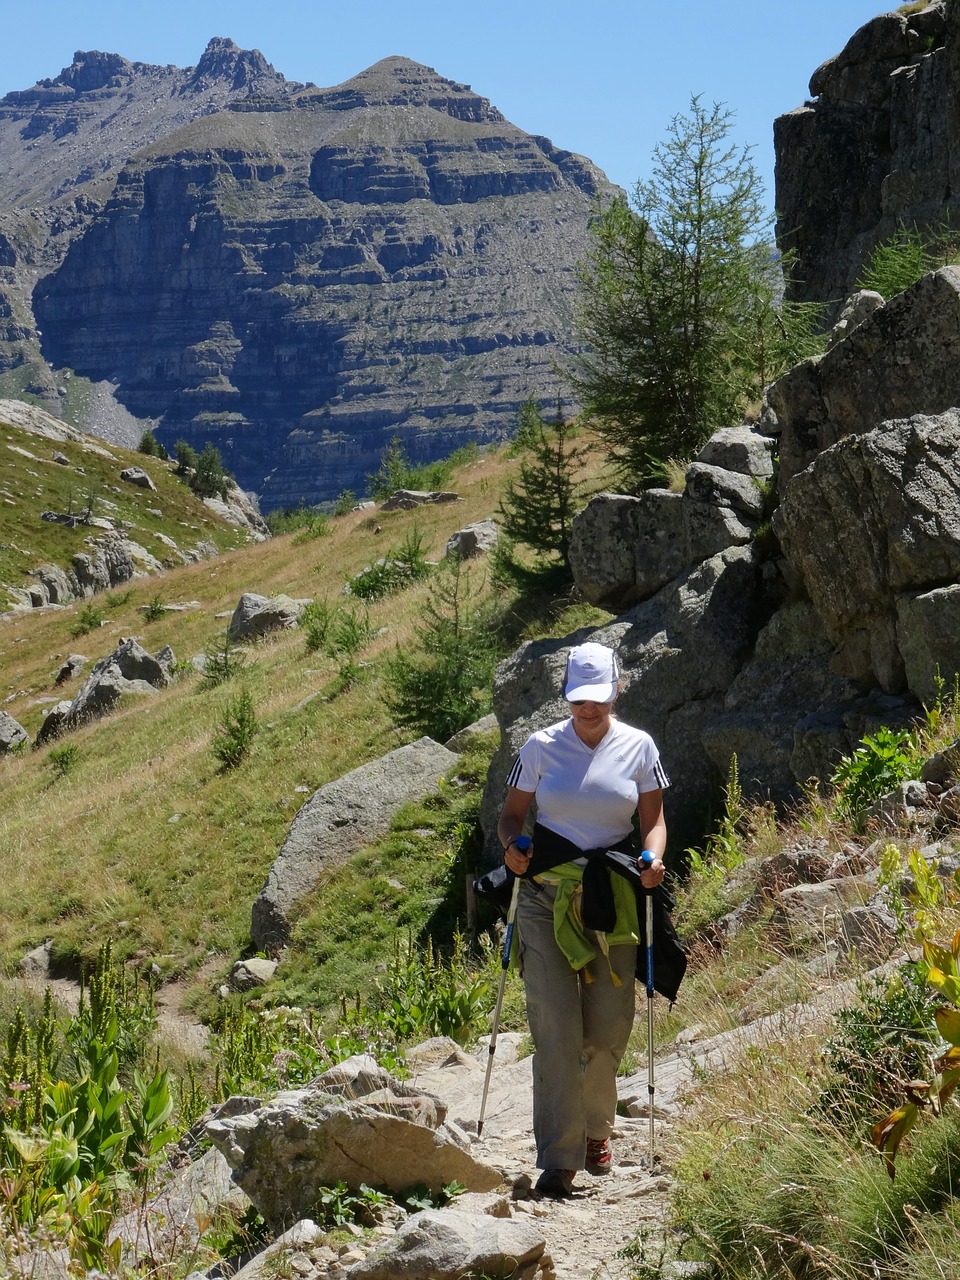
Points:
x=593, y=674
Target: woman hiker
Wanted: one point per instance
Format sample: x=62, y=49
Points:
x=590, y=774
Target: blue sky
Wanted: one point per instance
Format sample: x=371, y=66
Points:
x=603, y=79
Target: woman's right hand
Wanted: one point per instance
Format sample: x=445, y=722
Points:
x=518, y=860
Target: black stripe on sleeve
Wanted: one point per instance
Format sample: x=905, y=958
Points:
x=515, y=770
x=661, y=775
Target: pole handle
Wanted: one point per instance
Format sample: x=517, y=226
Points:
x=647, y=859
x=523, y=843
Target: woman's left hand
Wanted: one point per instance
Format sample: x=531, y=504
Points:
x=652, y=875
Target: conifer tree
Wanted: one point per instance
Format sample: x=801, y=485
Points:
x=537, y=508
x=679, y=310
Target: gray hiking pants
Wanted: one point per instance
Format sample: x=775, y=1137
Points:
x=581, y=1023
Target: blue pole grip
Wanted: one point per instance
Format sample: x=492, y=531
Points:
x=523, y=843
x=647, y=859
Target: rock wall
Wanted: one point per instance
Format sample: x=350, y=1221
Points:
x=878, y=143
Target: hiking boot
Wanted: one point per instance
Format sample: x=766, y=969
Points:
x=556, y=1183
x=598, y=1155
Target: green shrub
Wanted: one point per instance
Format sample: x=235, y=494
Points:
x=448, y=684
x=238, y=727
x=401, y=566
x=897, y=262
x=186, y=457
x=221, y=663
x=319, y=527
x=425, y=994
x=334, y=630
x=64, y=760
x=340, y=1205
x=117, y=599
x=346, y=501
x=300, y=519
x=209, y=480
x=154, y=609
x=397, y=472
x=881, y=762
x=151, y=446
x=89, y=618
x=883, y=1041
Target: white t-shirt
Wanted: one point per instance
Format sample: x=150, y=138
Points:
x=588, y=794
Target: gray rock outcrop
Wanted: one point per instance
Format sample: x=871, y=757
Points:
x=71, y=667
x=901, y=482
x=256, y=616
x=474, y=540
x=335, y=822
x=13, y=736
x=128, y=670
x=452, y=1244
x=624, y=549
x=305, y=1139
x=903, y=359
x=139, y=477
x=875, y=147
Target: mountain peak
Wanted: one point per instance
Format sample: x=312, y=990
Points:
x=225, y=61
x=400, y=81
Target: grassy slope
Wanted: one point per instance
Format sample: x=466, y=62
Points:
x=31, y=482
x=146, y=840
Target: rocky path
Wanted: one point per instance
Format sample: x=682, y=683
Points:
x=586, y=1233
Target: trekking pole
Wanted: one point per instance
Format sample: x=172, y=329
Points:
x=522, y=843
x=647, y=858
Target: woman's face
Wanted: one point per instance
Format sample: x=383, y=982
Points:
x=590, y=716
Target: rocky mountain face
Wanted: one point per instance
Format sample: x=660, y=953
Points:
x=62, y=144
x=295, y=274
x=877, y=145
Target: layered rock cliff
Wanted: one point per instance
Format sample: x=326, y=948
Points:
x=297, y=276
x=62, y=143
x=877, y=144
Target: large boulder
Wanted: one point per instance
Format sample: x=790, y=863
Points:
x=902, y=359
x=336, y=821
x=454, y=1243
x=128, y=670
x=13, y=736
x=475, y=539
x=54, y=723
x=928, y=638
x=138, y=477
x=256, y=616
x=874, y=518
x=305, y=1139
x=625, y=549
x=744, y=450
